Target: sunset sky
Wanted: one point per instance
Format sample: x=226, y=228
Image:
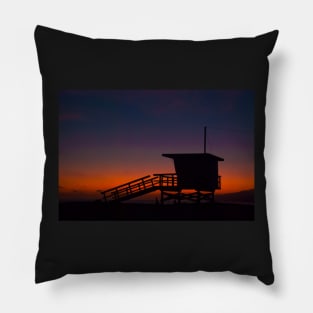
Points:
x=108, y=137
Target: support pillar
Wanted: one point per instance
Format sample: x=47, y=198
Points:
x=162, y=197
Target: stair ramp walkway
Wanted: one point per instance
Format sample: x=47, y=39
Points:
x=141, y=186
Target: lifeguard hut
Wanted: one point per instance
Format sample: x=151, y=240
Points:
x=195, y=179
x=195, y=171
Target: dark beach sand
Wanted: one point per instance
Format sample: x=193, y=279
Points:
x=70, y=211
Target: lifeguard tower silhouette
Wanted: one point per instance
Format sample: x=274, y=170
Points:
x=195, y=179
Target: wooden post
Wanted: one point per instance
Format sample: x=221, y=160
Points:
x=162, y=196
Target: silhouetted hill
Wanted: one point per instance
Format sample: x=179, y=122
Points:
x=244, y=196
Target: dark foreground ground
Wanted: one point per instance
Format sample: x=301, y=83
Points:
x=133, y=211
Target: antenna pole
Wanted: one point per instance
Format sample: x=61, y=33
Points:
x=204, y=143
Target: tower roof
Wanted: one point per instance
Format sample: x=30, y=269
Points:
x=193, y=156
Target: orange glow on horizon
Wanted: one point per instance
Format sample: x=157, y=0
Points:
x=88, y=186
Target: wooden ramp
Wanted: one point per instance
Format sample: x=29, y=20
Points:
x=141, y=186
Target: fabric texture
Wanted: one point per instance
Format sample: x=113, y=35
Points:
x=154, y=155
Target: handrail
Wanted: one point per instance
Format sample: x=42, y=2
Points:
x=133, y=186
x=132, y=181
x=165, y=174
x=143, y=184
x=219, y=182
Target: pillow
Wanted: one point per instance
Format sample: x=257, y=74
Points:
x=154, y=155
